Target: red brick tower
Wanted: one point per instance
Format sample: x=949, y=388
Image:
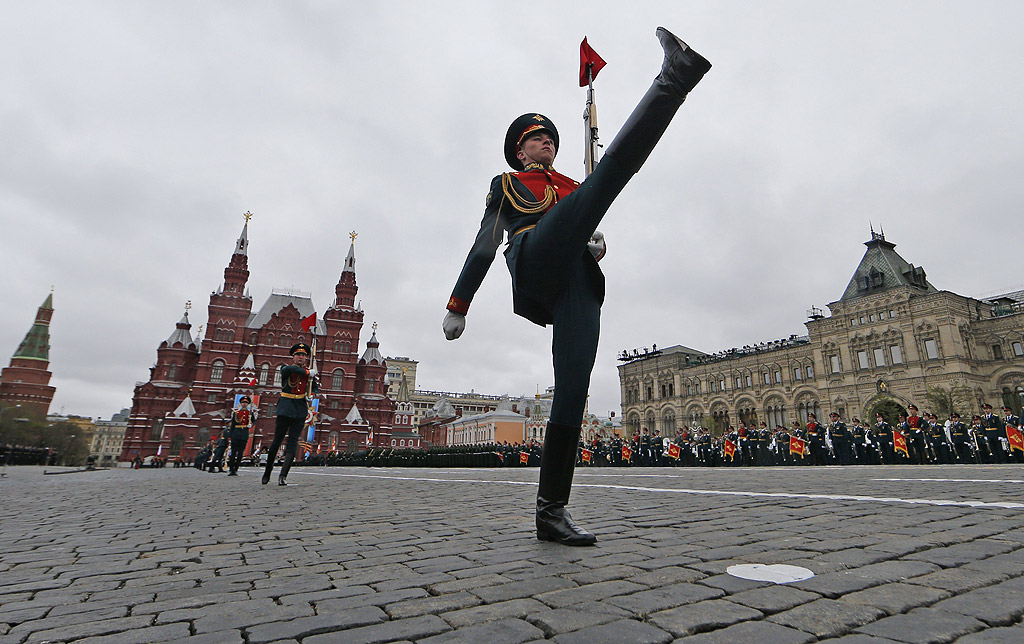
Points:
x=243, y=351
x=26, y=382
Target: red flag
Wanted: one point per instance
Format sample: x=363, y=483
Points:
x=729, y=449
x=899, y=443
x=585, y=455
x=673, y=451
x=797, y=445
x=308, y=322
x=626, y=453
x=1016, y=438
x=524, y=457
x=589, y=58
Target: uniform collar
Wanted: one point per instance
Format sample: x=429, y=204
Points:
x=538, y=166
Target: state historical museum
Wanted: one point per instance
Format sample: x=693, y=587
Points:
x=194, y=383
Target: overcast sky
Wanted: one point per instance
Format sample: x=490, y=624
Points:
x=134, y=135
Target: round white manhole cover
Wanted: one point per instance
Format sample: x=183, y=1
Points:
x=775, y=573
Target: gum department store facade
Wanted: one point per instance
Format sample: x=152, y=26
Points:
x=890, y=338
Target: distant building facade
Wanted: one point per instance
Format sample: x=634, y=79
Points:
x=891, y=337
x=192, y=387
x=108, y=439
x=26, y=381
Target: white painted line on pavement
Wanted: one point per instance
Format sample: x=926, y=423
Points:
x=1002, y=505
x=954, y=480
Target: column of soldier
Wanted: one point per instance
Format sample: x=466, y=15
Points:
x=915, y=438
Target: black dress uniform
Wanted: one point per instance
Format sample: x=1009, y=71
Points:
x=840, y=441
x=292, y=409
x=961, y=439
x=549, y=220
x=995, y=431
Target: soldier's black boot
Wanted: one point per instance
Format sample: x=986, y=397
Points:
x=288, y=458
x=268, y=470
x=683, y=67
x=557, y=463
x=681, y=70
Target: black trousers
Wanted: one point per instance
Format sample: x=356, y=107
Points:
x=237, y=447
x=285, y=425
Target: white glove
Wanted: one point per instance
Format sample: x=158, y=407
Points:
x=596, y=245
x=454, y=324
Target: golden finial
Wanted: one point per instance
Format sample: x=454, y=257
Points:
x=374, y=327
x=188, y=304
x=353, y=235
x=248, y=216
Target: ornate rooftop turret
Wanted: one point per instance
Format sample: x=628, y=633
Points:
x=345, y=291
x=372, y=354
x=882, y=269
x=182, y=331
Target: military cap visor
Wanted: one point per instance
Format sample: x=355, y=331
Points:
x=521, y=127
x=301, y=347
x=245, y=399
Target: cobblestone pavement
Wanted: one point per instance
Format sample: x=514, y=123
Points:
x=899, y=554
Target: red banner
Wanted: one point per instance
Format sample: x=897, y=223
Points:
x=797, y=445
x=899, y=442
x=585, y=455
x=1016, y=438
x=729, y=448
x=524, y=457
x=673, y=451
x=627, y=453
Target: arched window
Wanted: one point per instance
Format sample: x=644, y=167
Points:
x=254, y=337
x=172, y=371
x=338, y=379
x=203, y=436
x=264, y=373
x=176, y=444
x=277, y=377
x=217, y=373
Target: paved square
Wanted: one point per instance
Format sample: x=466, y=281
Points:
x=899, y=554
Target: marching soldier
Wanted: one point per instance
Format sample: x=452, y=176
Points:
x=296, y=384
x=960, y=437
x=816, y=440
x=238, y=429
x=995, y=432
x=552, y=256
x=840, y=439
x=218, y=453
x=1009, y=420
x=936, y=437
x=860, y=451
x=883, y=434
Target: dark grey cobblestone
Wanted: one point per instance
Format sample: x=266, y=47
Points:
x=924, y=626
x=503, y=631
x=625, y=630
x=75, y=570
x=827, y=617
x=702, y=616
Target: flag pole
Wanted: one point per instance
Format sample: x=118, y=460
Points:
x=591, y=139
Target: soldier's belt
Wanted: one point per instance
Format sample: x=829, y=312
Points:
x=295, y=396
x=524, y=229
